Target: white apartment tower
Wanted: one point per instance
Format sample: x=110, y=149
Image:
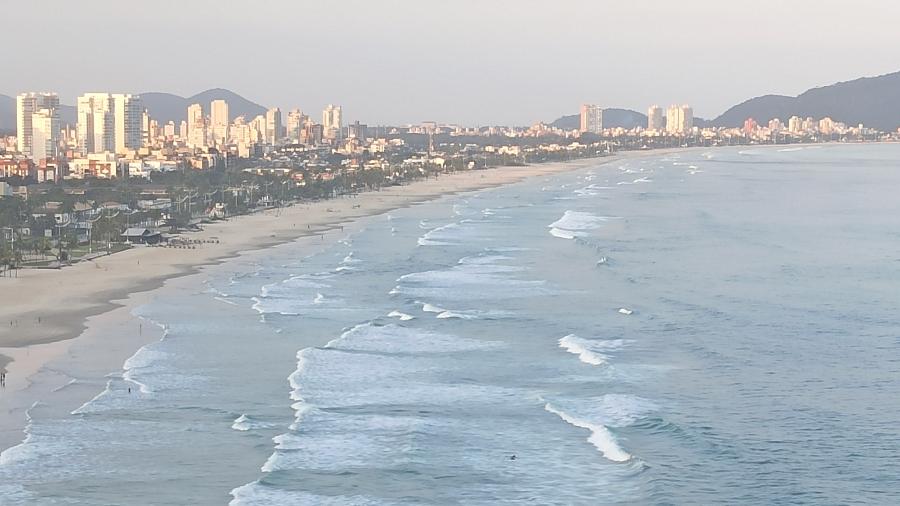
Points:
x=655, y=118
x=128, y=111
x=219, y=121
x=95, y=131
x=591, y=119
x=196, y=126
x=332, y=121
x=295, y=121
x=273, y=125
x=27, y=104
x=679, y=119
x=44, y=134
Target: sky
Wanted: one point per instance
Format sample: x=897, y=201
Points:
x=473, y=62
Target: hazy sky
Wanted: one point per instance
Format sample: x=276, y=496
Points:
x=466, y=61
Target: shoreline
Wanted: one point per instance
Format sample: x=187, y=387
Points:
x=98, y=331
x=65, y=316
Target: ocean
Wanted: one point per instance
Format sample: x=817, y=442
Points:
x=704, y=327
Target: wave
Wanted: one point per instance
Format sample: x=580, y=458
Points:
x=435, y=236
x=69, y=383
x=591, y=190
x=226, y=301
x=245, y=423
x=142, y=359
x=400, y=315
x=578, y=346
x=350, y=259
x=259, y=494
x=395, y=339
x=455, y=314
x=576, y=224
x=431, y=308
x=20, y=451
x=600, y=437
x=562, y=234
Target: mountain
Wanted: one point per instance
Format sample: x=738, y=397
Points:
x=872, y=101
x=612, y=118
x=165, y=107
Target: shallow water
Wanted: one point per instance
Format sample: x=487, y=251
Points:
x=707, y=327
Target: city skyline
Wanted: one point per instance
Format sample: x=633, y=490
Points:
x=528, y=51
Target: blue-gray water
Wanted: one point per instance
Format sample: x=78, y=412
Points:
x=409, y=362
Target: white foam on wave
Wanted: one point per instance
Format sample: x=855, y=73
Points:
x=455, y=314
x=576, y=224
x=393, y=338
x=319, y=299
x=562, y=234
x=20, y=451
x=142, y=359
x=258, y=494
x=431, y=308
x=789, y=150
x=226, y=301
x=600, y=437
x=578, y=346
x=437, y=236
x=402, y=316
x=591, y=190
x=350, y=259
x=69, y=383
x=591, y=351
x=245, y=423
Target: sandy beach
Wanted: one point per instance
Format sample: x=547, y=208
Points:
x=64, y=317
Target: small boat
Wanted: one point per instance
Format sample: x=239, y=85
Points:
x=625, y=311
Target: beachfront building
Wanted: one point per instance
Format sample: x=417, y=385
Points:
x=27, y=105
x=128, y=114
x=96, y=123
x=273, y=125
x=679, y=119
x=44, y=134
x=295, y=121
x=591, y=119
x=332, y=121
x=219, y=121
x=655, y=118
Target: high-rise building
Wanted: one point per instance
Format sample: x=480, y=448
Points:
x=826, y=126
x=219, y=120
x=44, y=134
x=258, y=129
x=332, y=121
x=795, y=125
x=655, y=118
x=679, y=119
x=96, y=123
x=687, y=118
x=273, y=125
x=128, y=112
x=196, y=126
x=27, y=104
x=591, y=119
x=148, y=132
x=295, y=121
